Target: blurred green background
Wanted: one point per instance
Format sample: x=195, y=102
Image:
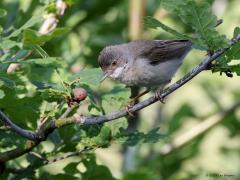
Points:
x=97, y=23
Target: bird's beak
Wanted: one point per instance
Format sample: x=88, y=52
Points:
x=104, y=77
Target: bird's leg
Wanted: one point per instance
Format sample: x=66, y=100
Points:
x=133, y=100
x=158, y=95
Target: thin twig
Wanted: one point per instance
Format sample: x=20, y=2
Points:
x=37, y=155
x=51, y=161
x=197, y=130
x=67, y=112
x=68, y=155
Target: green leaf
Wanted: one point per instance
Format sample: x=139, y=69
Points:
x=21, y=54
x=114, y=100
x=3, y=13
x=140, y=174
x=1, y=30
x=53, y=95
x=39, y=50
x=200, y=18
x=2, y=94
x=51, y=8
x=236, y=31
x=31, y=37
x=95, y=171
x=154, y=23
x=8, y=139
x=88, y=76
x=225, y=64
x=31, y=22
x=17, y=104
x=227, y=69
x=233, y=52
x=43, y=85
x=95, y=136
x=7, y=82
x=236, y=69
x=70, y=2
x=59, y=176
x=103, y=138
x=136, y=137
x=71, y=168
x=53, y=62
x=171, y=5
x=8, y=44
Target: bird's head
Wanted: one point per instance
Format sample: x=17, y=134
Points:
x=112, y=61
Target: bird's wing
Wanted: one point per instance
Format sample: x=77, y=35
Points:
x=164, y=50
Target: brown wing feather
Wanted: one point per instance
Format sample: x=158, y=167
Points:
x=163, y=50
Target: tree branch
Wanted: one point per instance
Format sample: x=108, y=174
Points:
x=195, y=71
x=50, y=125
x=34, y=136
x=17, y=129
x=19, y=151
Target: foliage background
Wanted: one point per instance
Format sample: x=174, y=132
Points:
x=93, y=25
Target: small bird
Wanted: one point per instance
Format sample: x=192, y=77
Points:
x=144, y=63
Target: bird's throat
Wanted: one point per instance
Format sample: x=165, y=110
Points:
x=117, y=73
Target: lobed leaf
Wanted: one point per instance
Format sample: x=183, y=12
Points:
x=154, y=23
x=13, y=56
x=229, y=62
x=236, y=31
x=31, y=37
x=171, y=5
x=94, y=170
x=137, y=137
x=95, y=136
x=8, y=44
x=53, y=62
x=88, y=76
x=114, y=100
x=7, y=82
x=39, y=50
x=52, y=95
x=31, y=22
x=199, y=17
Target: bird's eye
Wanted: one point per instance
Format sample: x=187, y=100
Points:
x=114, y=63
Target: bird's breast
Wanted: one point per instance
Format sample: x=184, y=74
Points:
x=142, y=73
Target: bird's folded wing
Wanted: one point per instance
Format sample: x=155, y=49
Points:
x=165, y=50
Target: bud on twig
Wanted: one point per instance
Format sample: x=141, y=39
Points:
x=79, y=94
